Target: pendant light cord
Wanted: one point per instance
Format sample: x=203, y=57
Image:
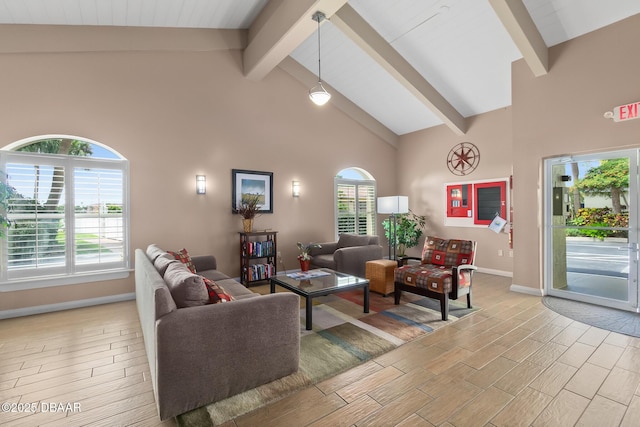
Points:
x=318, y=18
x=318, y=93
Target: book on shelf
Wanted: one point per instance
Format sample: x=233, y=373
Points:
x=260, y=249
x=260, y=272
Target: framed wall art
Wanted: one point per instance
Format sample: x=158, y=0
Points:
x=247, y=183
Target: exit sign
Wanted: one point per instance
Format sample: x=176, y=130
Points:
x=626, y=112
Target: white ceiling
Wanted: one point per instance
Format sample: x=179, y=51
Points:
x=460, y=47
x=145, y=13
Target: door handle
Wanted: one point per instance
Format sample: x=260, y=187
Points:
x=634, y=248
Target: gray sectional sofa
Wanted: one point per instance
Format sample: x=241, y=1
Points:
x=207, y=352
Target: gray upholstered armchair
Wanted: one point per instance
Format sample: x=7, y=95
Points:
x=348, y=255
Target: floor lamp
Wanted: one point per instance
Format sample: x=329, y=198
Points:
x=393, y=205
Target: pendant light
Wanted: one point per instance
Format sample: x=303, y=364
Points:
x=318, y=93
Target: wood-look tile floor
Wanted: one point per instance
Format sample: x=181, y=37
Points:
x=513, y=363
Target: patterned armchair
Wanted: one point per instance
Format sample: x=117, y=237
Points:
x=445, y=271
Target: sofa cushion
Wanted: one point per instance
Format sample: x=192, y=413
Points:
x=154, y=251
x=216, y=292
x=236, y=289
x=183, y=256
x=214, y=275
x=187, y=289
x=347, y=239
x=162, y=262
x=324, y=261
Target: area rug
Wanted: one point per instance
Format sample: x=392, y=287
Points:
x=342, y=337
x=610, y=319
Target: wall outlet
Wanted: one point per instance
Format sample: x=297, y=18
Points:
x=279, y=254
x=511, y=254
x=500, y=253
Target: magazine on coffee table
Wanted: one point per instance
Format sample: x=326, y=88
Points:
x=304, y=275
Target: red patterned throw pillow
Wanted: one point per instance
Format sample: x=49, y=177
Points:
x=184, y=257
x=216, y=292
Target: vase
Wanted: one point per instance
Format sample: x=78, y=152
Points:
x=304, y=264
x=247, y=224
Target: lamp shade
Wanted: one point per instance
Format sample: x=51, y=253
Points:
x=393, y=205
x=319, y=94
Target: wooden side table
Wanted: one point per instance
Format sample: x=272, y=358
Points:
x=380, y=275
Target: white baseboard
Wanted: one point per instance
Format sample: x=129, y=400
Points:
x=39, y=309
x=495, y=272
x=527, y=290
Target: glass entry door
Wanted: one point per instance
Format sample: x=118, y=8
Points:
x=591, y=241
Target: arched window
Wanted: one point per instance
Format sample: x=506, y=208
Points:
x=67, y=207
x=355, y=199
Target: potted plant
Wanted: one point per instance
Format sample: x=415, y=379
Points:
x=248, y=208
x=408, y=230
x=305, y=257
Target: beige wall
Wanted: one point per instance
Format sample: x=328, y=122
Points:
x=562, y=113
x=423, y=173
x=175, y=114
x=557, y=114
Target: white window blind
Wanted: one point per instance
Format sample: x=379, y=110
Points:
x=36, y=238
x=346, y=200
x=366, y=209
x=67, y=215
x=98, y=219
x=355, y=207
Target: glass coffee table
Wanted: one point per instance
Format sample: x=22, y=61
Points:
x=320, y=282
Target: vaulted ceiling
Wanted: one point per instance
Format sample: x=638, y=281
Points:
x=397, y=66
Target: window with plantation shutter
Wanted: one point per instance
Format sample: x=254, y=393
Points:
x=36, y=237
x=355, y=197
x=67, y=215
x=346, y=201
x=98, y=221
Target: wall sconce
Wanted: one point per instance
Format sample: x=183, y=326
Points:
x=201, y=184
x=295, y=188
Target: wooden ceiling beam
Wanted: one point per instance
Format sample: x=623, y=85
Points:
x=516, y=19
x=361, y=33
x=280, y=27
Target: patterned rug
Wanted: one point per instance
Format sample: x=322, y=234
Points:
x=342, y=338
x=610, y=319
